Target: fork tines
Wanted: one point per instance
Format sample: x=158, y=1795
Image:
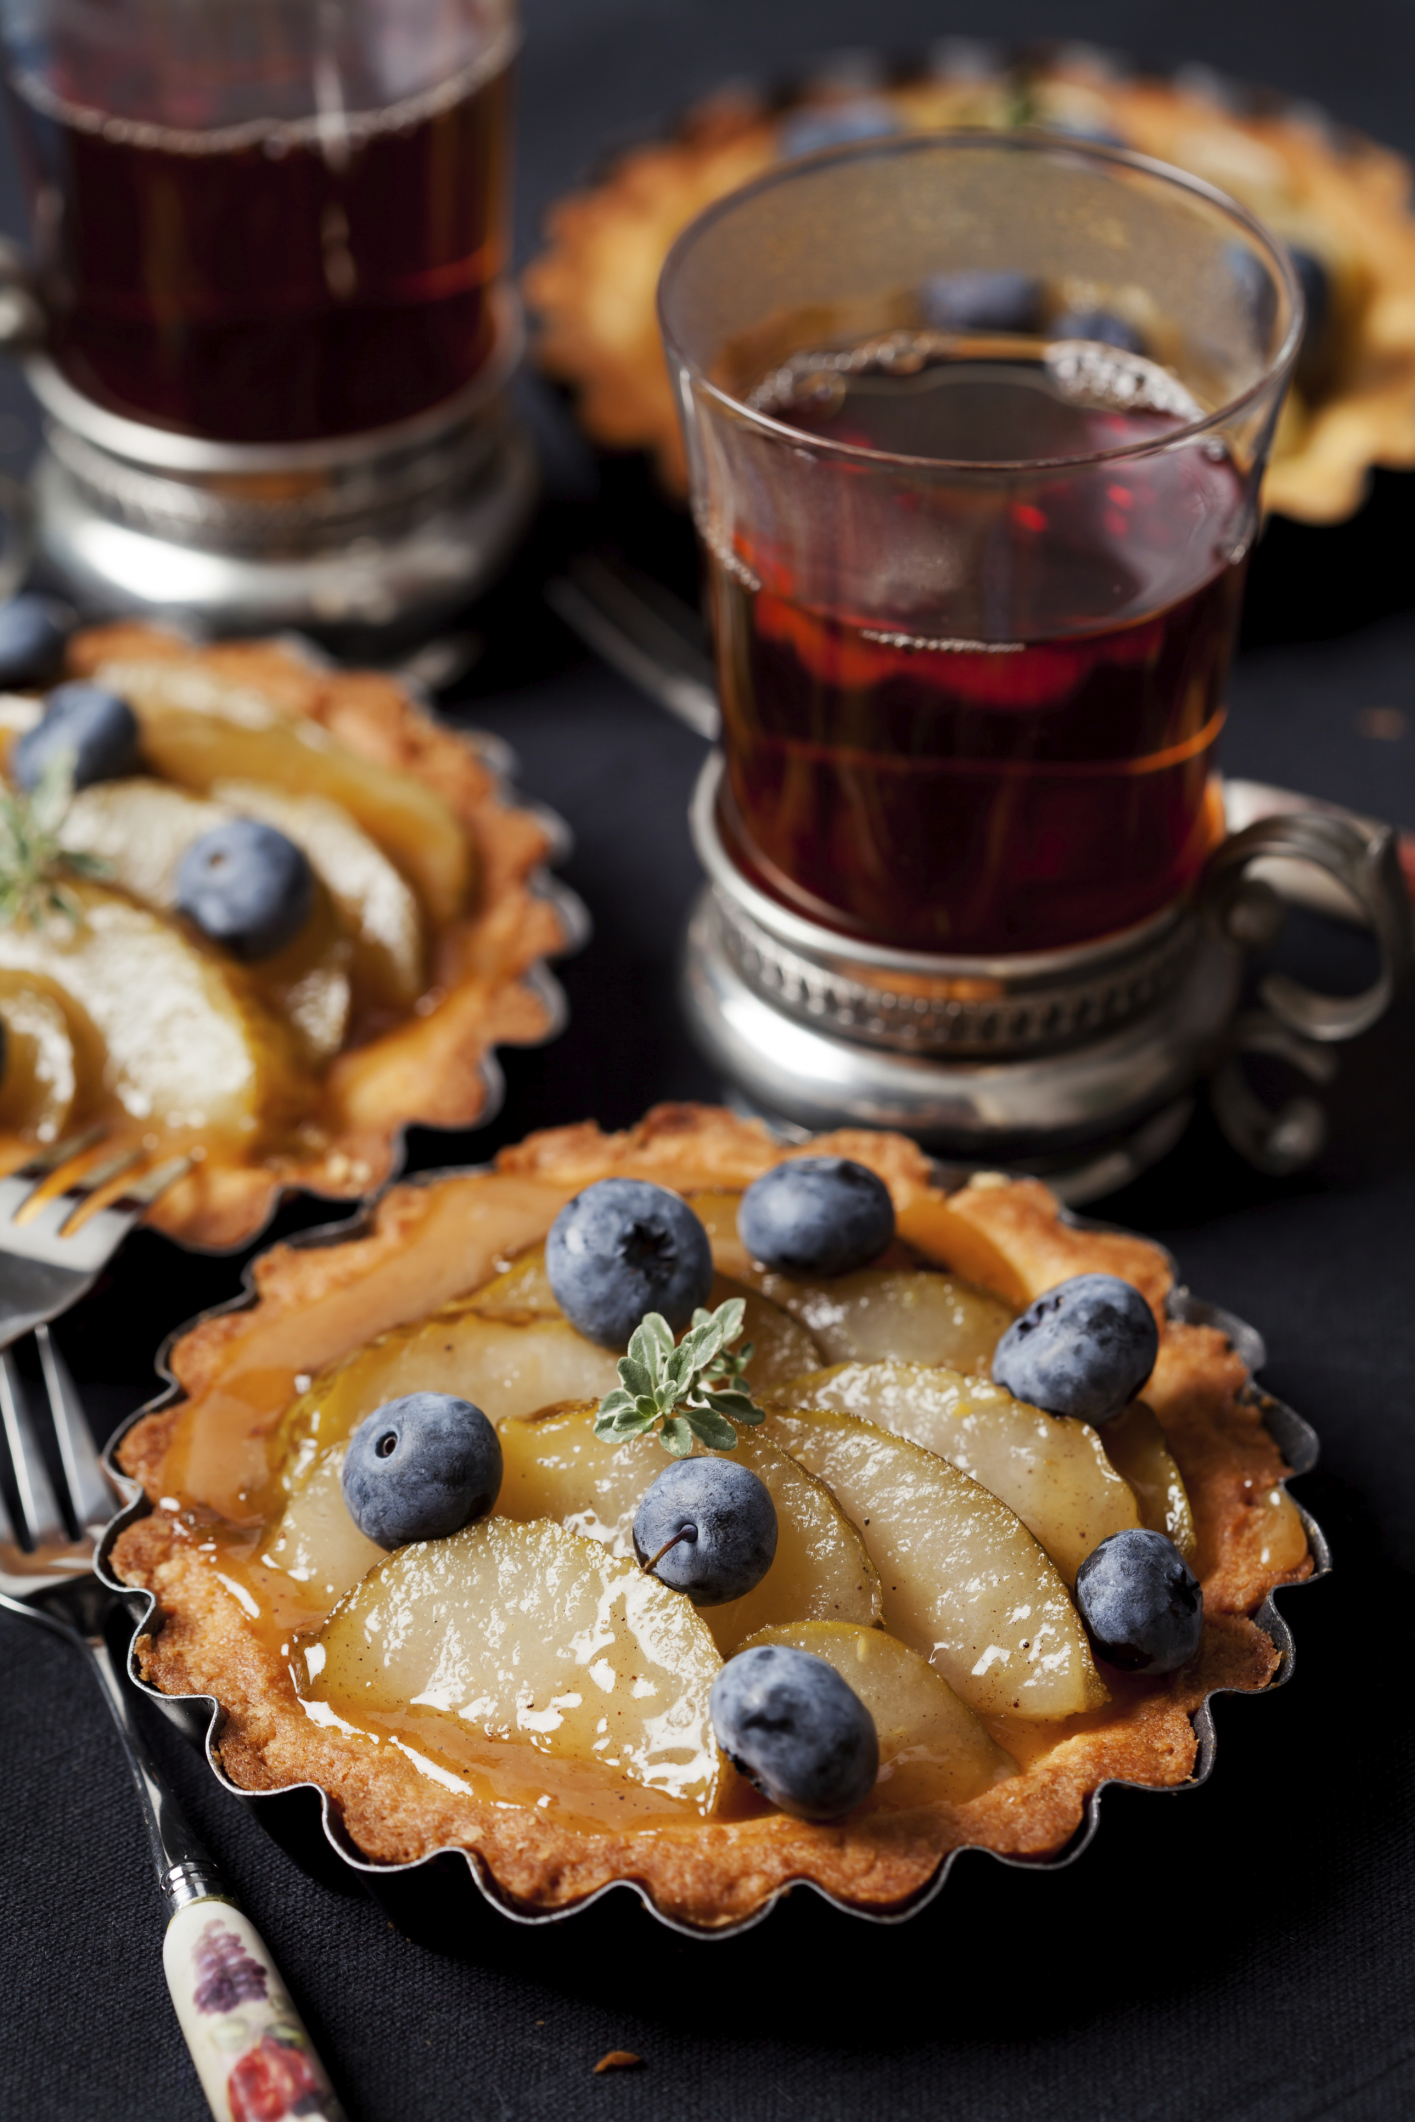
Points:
x=48, y=1525
x=36, y=1213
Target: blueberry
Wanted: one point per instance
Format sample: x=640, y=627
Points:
x=806, y=132
x=1098, y=324
x=1141, y=1602
x=982, y=302
x=1084, y=1348
x=421, y=1467
x=98, y=728
x=623, y=1248
x=723, y=1521
x=816, y=1216
x=247, y=887
x=796, y=1730
x=33, y=632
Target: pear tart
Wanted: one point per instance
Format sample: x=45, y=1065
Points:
x=416, y=946
x=1341, y=203
x=530, y=1688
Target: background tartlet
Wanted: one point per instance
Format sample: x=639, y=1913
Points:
x=485, y=983
x=1336, y=196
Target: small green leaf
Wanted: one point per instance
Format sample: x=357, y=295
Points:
x=637, y=1377
x=676, y=1437
x=718, y=1435
x=33, y=860
x=732, y=1313
x=614, y=1400
x=740, y=1406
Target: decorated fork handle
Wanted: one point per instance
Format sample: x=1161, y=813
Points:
x=255, y=2060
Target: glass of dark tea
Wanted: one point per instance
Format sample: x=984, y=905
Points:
x=266, y=221
x=976, y=429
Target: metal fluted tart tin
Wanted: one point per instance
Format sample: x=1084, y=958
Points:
x=429, y=1894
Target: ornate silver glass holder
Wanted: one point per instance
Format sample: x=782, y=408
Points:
x=1079, y=1064
x=365, y=532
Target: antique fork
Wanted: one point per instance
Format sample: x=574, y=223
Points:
x=53, y=1241
x=250, y=2049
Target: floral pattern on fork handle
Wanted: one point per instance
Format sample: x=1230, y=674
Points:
x=254, y=2058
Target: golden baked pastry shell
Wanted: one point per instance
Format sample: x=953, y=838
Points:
x=310, y=1300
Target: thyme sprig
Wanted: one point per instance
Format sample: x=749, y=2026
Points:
x=694, y=1391
x=33, y=858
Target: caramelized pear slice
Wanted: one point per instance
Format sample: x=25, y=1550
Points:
x=188, y=1044
x=556, y=1467
x=501, y=1367
x=41, y=1066
x=1051, y=1470
x=316, y=1541
x=376, y=907
x=1136, y=1447
x=199, y=728
x=781, y=1347
x=930, y=1744
x=140, y=830
x=912, y=1315
x=530, y=1633
x=964, y=1582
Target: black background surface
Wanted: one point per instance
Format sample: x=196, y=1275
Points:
x=1237, y=1951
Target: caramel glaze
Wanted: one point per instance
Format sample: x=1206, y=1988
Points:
x=220, y=1481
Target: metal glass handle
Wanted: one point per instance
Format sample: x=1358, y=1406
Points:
x=1297, y=1025
x=1359, y=857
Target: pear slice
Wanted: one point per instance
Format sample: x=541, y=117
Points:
x=502, y=1367
x=556, y=1467
x=1136, y=1447
x=910, y=1315
x=141, y=829
x=189, y=1046
x=532, y=1635
x=781, y=1347
x=930, y=1744
x=964, y=1582
x=199, y=728
x=1052, y=1470
x=377, y=908
x=316, y=1541
x=41, y=1060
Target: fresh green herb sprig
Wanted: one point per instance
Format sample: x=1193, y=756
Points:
x=33, y=858
x=693, y=1390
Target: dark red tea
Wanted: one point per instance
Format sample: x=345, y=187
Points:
x=1020, y=759
x=274, y=280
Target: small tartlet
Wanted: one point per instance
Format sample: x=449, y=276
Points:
x=236, y=1374
x=1331, y=192
x=334, y=1128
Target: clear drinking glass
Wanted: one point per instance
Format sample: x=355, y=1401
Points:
x=976, y=428
x=266, y=220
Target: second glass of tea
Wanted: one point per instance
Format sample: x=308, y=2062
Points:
x=976, y=429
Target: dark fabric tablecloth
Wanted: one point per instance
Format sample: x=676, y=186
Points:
x=1240, y=1951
